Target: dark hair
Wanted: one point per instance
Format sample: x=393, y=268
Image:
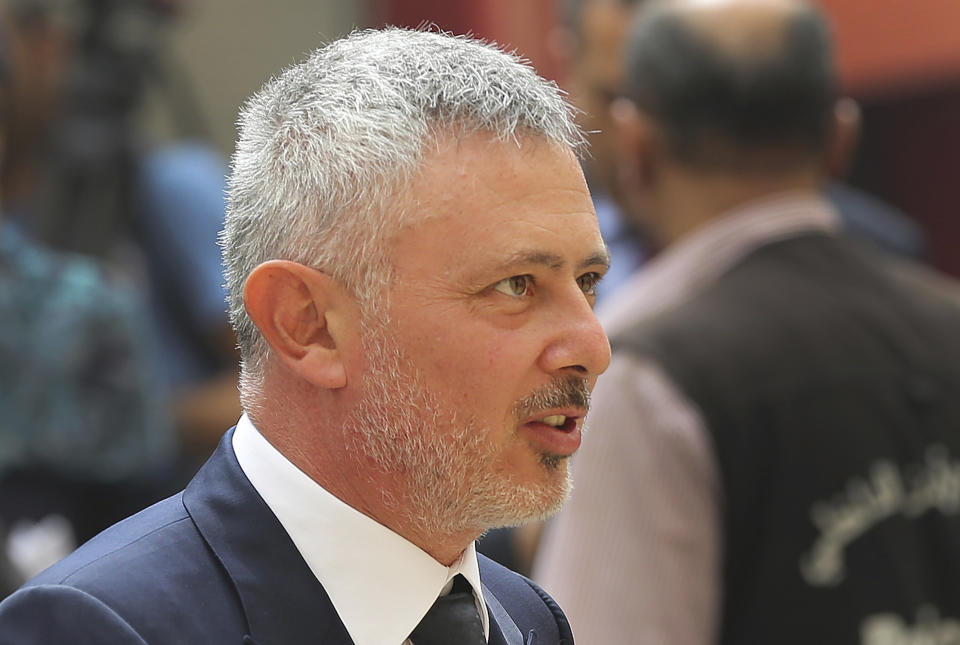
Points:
x=718, y=108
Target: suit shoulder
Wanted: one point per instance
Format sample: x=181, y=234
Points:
x=43, y=614
x=151, y=571
x=530, y=607
x=116, y=549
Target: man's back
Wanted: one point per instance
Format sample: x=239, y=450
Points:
x=825, y=374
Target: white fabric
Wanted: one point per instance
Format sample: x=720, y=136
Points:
x=635, y=555
x=363, y=566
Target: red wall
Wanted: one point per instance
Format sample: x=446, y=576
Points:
x=888, y=46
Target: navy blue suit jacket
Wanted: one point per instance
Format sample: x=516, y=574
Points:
x=213, y=566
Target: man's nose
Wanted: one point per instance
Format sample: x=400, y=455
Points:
x=579, y=343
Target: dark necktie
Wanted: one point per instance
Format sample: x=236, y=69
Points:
x=452, y=620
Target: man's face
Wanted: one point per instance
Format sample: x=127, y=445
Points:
x=479, y=369
x=596, y=79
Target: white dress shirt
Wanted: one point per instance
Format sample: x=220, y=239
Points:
x=635, y=555
x=380, y=584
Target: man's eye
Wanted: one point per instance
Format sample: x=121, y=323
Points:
x=516, y=286
x=588, y=282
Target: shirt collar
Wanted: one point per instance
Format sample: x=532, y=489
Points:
x=685, y=266
x=360, y=563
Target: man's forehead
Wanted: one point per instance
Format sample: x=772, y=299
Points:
x=481, y=207
x=466, y=143
x=477, y=172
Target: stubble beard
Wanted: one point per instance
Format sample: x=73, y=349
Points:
x=450, y=478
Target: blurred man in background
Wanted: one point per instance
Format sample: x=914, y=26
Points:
x=590, y=43
x=83, y=177
x=774, y=449
x=591, y=39
x=84, y=439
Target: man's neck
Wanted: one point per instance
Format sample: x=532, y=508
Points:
x=355, y=480
x=690, y=199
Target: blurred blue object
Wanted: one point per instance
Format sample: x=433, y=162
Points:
x=623, y=243
x=180, y=212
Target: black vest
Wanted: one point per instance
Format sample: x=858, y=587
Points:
x=829, y=378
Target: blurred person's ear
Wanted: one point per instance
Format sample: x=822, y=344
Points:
x=298, y=311
x=637, y=147
x=844, y=137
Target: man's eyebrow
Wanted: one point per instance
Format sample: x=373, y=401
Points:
x=600, y=257
x=554, y=261
x=551, y=260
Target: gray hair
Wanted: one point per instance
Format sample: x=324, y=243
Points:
x=325, y=148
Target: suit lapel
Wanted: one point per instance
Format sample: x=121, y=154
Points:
x=283, y=601
x=503, y=631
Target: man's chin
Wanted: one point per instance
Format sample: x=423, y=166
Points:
x=554, y=462
x=536, y=502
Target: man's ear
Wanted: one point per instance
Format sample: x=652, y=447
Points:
x=291, y=304
x=844, y=137
x=638, y=146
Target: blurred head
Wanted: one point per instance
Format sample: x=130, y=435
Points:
x=734, y=84
x=595, y=35
x=35, y=45
x=411, y=251
x=733, y=91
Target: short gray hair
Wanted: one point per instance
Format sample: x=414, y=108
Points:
x=325, y=148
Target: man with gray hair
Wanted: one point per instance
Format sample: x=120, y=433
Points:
x=411, y=256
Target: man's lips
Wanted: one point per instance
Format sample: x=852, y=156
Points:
x=555, y=432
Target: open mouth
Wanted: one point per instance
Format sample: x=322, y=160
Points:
x=559, y=421
x=557, y=435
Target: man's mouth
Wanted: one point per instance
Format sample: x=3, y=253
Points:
x=550, y=417
x=563, y=422
x=557, y=435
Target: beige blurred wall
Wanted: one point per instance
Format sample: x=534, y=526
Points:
x=228, y=48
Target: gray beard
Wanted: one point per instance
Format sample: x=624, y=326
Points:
x=448, y=470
